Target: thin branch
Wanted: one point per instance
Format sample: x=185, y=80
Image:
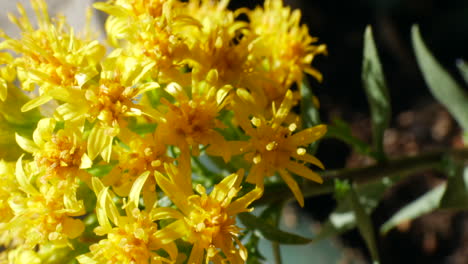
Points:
x=401, y=166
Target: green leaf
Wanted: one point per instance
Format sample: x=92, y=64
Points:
x=270, y=232
x=463, y=69
x=424, y=204
x=309, y=111
x=456, y=193
x=101, y=170
x=364, y=224
x=339, y=129
x=442, y=86
x=377, y=93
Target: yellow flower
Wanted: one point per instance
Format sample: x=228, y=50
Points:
x=131, y=239
x=150, y=31
x=51, y=56
x=192, y=121
x=141, y=154
x=61, y=155
x=206, y=221
x=220, y=44
x=273, y=147
x=46, y=213
x=8, y=186
x=110, y=102
x=284, y=47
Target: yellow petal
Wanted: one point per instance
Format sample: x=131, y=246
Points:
x=292, y=184
x=310, y=159
x=307, y=136
x=86, y=162
x=98, y=140
x=172, y=232
x=240, y=205
x=3, y=89
x=134, y=196
x=73, y=227
x=26, y=144
x=165, y=213
x=303, y=171
x=22, y=179
x=284, y=109
x=36, y=102
x=44, y=131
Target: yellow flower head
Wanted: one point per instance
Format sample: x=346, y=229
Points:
x=46, y=213
x=150, y=31
x=110, y=102
x=207, y=221
x=142, y=154
x=220, y=44
x=191, y=121
x=51, y=55
x=285, y=47
x=59, y=154
x=273, y=147
x=131, y=239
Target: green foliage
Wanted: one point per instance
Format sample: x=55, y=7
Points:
x=377, y=92
x=271, y=232
x=442, y=86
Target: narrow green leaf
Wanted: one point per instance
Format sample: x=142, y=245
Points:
x=442, y=86
x=339, y=129
x=424, y=204
x=270, y=232
x=364, y=224
x=309, y=111
x=463, y=69
x=377, y=93
x=456, y=193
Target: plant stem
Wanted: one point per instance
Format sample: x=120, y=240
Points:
x=276, y=251
x=401, y=166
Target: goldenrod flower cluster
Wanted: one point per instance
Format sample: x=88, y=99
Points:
x=114, y=138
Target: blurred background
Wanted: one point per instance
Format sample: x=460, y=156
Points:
x=418, y=123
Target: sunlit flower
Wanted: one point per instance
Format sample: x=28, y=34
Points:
x=150, y=31
x=285, y=47
x=274, y=147
x=110, y=102
x=141, y=154
x=206, y=221
x=46, y=213
x=192, y=120
x=131, y=237
x=51, y=56
x=220, y=44
x=61, y=155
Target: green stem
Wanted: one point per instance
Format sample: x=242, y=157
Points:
x=401, y=166
x=276, y=251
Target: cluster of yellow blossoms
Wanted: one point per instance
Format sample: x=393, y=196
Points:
x=107, y=172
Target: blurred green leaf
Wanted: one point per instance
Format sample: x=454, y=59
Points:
x=424, y=204
x=377, y=93
x=456, y=193
x=309, y=110
x=463, y=69
x=365, y=225
x=99, y=170
x=310, y=114
x=339, y=129
x=270, y=232
x=442, y=86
